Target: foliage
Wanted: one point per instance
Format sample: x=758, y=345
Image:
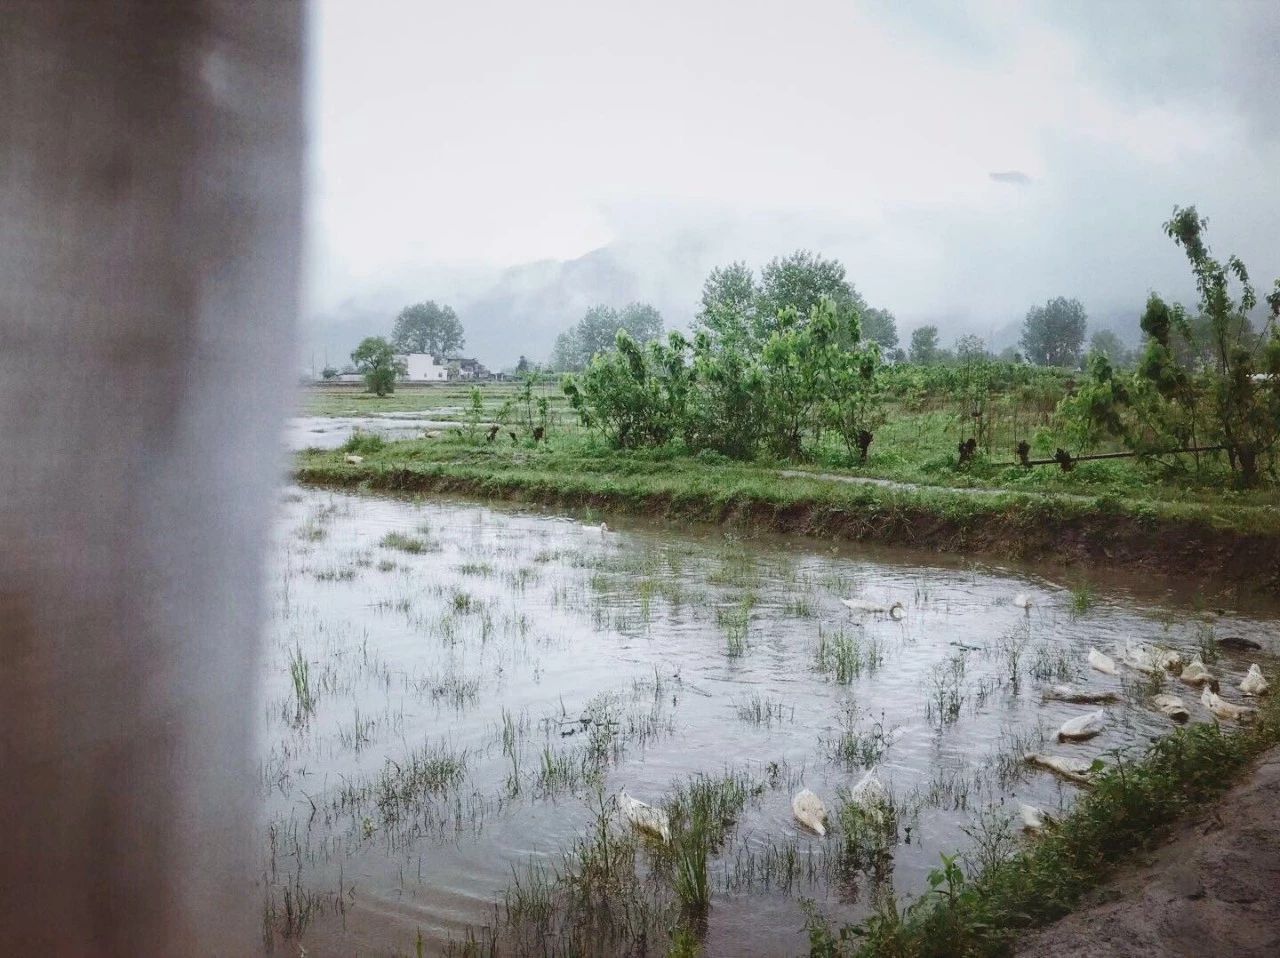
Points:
x=1129, y=808
x=729, y=395
x=1106, y=343
x=328, y=373
x=1053, y=334
x=375, y=358
x=924, y=346
x=880, y=326
x=635, y=394
x=595, y=333
x=1210, y=381
x=427, y=328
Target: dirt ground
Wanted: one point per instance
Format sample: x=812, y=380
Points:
x=1214, y=890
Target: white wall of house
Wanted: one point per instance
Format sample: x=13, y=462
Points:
x=422, y=368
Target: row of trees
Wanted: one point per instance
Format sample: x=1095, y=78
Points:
x=772, y=366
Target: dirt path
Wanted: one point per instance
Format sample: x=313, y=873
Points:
x=1214, y=890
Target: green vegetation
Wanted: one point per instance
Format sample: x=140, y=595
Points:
x=427, y=328
x=1011, y=888
x=375, y=358
x=596, y=332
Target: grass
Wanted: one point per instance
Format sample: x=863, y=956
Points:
x=1010, y=888
x=414, y=545
x=845, y=655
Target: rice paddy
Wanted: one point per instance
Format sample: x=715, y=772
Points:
x=454, y=694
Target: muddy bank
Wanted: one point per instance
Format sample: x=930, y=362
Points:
x=1023, y=526
x=1214, y=890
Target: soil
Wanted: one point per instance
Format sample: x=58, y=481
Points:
x=1213, y=890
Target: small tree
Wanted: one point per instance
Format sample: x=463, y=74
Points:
x=427, y=328
x=1053, y=334
x=924, y=346
x=597, y=331
x=377, y=360
x=328, y=373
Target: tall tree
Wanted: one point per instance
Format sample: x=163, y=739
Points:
x=427, y=328
x=880, y=326
x=1106, y=343
x=597, y=333
x=376, y=359
x=1053, y=334
x=801, y=281
x=924, y=346
x=729, y=298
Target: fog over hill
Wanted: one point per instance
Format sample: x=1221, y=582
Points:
x=964, y=162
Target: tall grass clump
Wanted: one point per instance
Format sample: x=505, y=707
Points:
x=300, y=674
x=846, y=655
x=405, y=543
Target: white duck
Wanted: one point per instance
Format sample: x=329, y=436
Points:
x=604, y=527
x=352, y=459
x=1171, y=705
x=1103, y=663
x=1072, y=769
x=809, y=811
x=1083, y=726
x=1222, y=709
x=1168, y=659
x=1033, y=819
x=1066, y=693
x=1022, y=601
x=1195, y=673
x=1138, y=657
x=868, y=607
x=1254, y=683
x=644, y=816
x=871, y=796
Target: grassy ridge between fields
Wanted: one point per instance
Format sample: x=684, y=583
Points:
x=1233, y=542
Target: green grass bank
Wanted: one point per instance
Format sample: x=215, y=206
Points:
x=1223, y=539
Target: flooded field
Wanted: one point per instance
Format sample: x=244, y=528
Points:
x=330, y=432
x=455, y=694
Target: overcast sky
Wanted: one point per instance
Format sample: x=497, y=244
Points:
x=450, y=141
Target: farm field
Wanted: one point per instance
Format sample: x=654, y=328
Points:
x=456, y=693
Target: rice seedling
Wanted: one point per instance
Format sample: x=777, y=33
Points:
x=415, y=545
x=846, y=654
x=300, y=674
x=1051, y=664
x=735, y=622
x=481, y=569
x=945, y=687
x=859, y=744
x=1082, y=598
x=761, y=710
x=1010, y=646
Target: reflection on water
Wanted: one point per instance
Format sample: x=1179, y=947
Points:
x=446, y=685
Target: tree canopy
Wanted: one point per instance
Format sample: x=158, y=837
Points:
x=376, y=359
x=880, y=326
x=1053, y=334
x=427, y=328
x=924, y=346
x=597, y=333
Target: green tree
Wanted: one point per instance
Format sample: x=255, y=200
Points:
x=427, y=328
x=1104, y=342
x=800, y=281
x=377, y=360
x=1053, y=334
x=597, y=333
x=729, y=298
x=328, y=373
x=880, y=326
x=522, y=366
x=924, y=346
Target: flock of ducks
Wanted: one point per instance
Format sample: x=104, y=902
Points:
x=871, y=796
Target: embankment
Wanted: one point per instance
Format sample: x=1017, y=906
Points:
x=1232, y=544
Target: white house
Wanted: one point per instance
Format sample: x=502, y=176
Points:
x=422, y=368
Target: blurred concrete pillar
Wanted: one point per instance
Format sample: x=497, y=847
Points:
x=150, y=205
